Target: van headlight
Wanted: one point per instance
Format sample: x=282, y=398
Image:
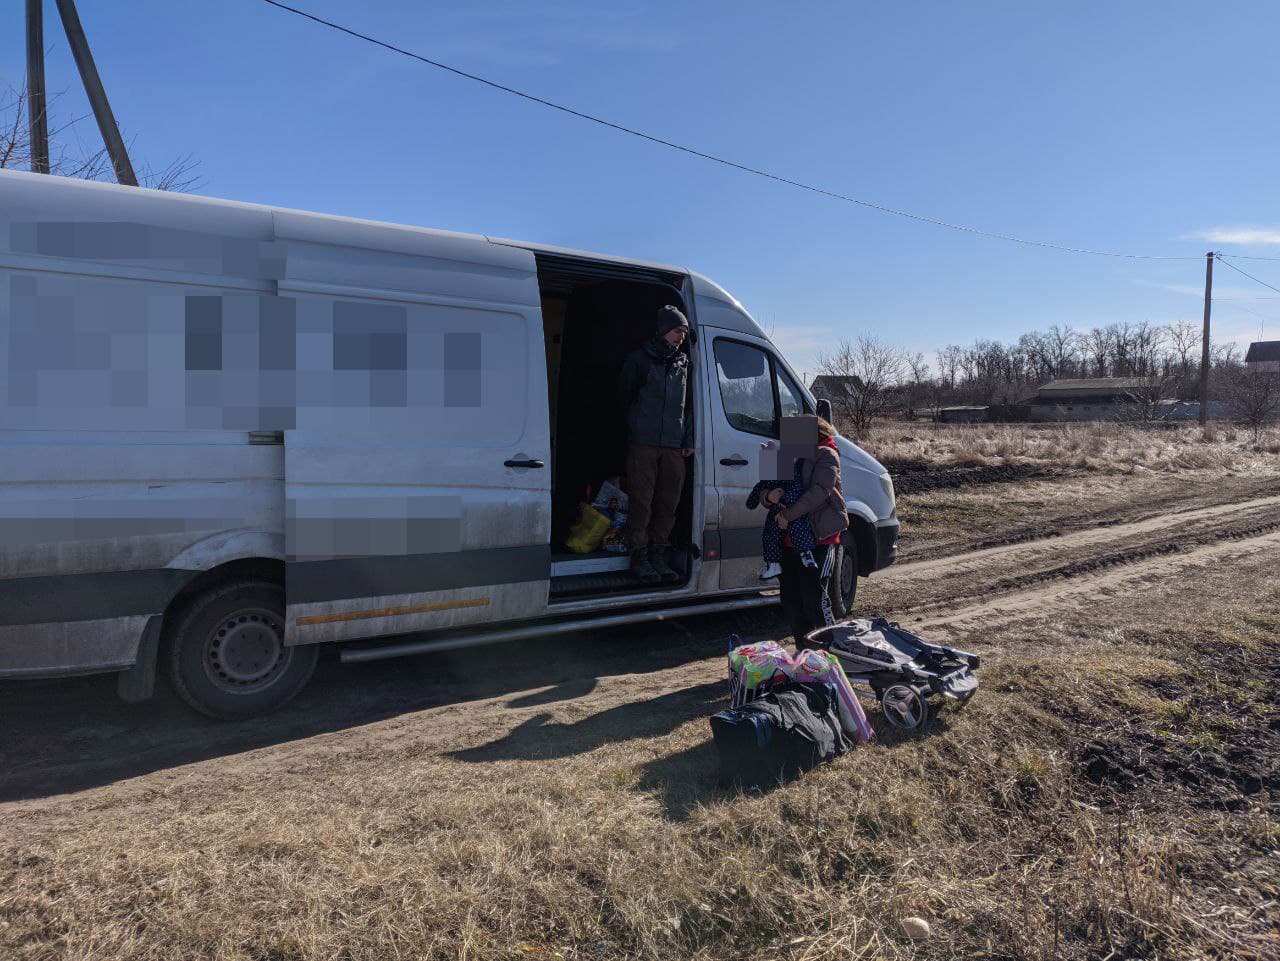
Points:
x=886, y=482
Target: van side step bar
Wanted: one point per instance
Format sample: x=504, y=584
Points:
x=404, y=648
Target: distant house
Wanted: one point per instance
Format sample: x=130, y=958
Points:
x=1089, y=398
x=962, y=415
x=1264, y=355
x=837, y=389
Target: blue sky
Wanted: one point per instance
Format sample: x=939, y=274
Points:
x=1144, y=127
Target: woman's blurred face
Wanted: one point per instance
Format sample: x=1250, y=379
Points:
x=675, y=336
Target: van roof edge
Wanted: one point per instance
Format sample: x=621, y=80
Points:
x=538, y=248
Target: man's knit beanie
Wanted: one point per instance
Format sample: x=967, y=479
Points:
x=669, y=318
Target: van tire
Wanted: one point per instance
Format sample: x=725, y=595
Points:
x=226, y=655
x=842, y=588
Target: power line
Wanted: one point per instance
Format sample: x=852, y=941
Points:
x=1248, y=257
x=1250, y=276
x=706, y=156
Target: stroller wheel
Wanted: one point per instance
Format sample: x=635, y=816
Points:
x=904, y=708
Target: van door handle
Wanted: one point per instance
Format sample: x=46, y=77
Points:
x=733, y=462
x=523, y=463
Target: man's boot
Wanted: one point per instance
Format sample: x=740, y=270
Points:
x=658, y=559
x=642, y=568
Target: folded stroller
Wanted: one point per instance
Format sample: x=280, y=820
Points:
x=902, y=669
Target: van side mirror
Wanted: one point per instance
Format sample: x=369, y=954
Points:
x=824, y=409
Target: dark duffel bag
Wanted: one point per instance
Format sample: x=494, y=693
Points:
x=785, y=731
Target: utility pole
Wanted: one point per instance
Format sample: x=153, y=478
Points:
x=97, y=95
x=1204, y=345
x=36, y=116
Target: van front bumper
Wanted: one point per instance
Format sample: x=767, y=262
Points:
x=887, y=542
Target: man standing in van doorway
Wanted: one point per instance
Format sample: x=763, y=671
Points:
x=655, y=389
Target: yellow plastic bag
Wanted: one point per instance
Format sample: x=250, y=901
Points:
x=587, y=531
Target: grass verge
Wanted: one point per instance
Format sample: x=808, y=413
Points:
x=1111, y=793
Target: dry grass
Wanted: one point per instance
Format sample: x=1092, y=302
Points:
x=989, y=827
x=1099, y=446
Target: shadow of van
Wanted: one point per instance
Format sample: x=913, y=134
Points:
x=72, y=734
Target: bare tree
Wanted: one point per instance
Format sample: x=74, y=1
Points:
x=1034, y=347
x=877, y=366
x=1148, y=391
x=918, y=386
x=1224, y=356
x=1120, y=341
x=1146, y=341
x=68, y=154
x=1254, y=398
x=970, y=361
x=949, y=365
x=1022, y=360
x=989, y=370
x=1161, y=360
x=1061, y=345
x=1183, y=337
x=1097, y=343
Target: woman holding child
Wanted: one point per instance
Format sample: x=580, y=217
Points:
x=806, y=574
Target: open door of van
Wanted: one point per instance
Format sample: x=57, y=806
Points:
x=750, y=391
x=417, y=481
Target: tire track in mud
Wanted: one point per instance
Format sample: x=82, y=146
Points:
x=1059, y=589
x=1056, y=543
x=1157, y=507
x=1057, y=598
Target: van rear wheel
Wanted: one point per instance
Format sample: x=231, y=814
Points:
x=842, y=587
x=227, y=657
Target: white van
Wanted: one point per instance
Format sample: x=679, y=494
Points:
x=230, y=433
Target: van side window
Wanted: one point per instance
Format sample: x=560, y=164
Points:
x=755, y=391
x=746, y=388
x=789, y=396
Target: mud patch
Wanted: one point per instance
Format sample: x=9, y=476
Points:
x=1220, y=748
x=1227, y=779
x=917, y=477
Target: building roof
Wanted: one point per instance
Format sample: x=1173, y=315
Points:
x=1093, y=384
x=1263, y=350
x=1087, y=390
x=836, y=383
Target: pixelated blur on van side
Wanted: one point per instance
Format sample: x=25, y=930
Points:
x=93, y=352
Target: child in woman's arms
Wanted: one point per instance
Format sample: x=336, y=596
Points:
x=775, y=497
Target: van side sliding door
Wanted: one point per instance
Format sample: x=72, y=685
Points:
x=417, y=476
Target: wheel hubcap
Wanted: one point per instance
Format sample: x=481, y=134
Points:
x=246, y=651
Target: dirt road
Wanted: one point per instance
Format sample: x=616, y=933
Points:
x=73, y=735
x=1061, y=571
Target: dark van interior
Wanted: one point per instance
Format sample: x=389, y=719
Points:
x=594, y=315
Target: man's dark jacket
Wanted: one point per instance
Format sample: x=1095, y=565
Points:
x=656, y=392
